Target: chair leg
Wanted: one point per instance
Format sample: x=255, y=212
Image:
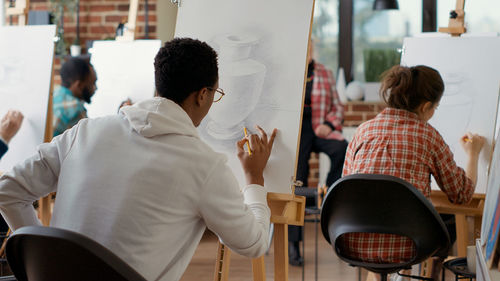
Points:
x=383, y=276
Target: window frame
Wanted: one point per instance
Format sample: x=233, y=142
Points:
x=345, y=41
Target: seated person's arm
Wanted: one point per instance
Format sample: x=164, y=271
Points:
x=335, y=115
x=32, y=179
x=10, y=124
x=458, y=184
x=240, y=219
x=472, y=144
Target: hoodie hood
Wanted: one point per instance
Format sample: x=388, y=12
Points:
x=159, y=116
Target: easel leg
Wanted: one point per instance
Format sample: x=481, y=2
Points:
x=44, y=210
x=477, y=227
x=222, y=263
x=281, y=252
x=462, y=235
x=259, y=269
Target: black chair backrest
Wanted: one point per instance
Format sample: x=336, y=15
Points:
x=368, y=203
x=36, y=253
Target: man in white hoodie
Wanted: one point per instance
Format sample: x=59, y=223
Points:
x=142, y=183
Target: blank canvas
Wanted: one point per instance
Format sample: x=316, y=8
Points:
x=469, y=67
x=26, y=55
x=125, y=70
x=262, y=47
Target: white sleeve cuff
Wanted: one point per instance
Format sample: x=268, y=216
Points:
x=255, y=193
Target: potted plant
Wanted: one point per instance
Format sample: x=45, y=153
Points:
x=376, y=62
x=58, y=9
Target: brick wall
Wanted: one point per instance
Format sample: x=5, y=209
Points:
x=98, y=21
x=356, y=112
x=99, y=18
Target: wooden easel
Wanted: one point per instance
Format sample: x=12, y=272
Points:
x=20, y=9
x=286, y=209
x=44, y=204
x=130, y=26
x=456, y=25
x=44, y=210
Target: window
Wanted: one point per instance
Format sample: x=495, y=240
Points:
x=378, y=36
x=325, y=32
x=481, y=16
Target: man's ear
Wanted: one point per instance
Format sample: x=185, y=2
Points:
x=202, y=96
x=76, y=87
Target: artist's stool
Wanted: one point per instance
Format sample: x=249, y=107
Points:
x=459, y=267
x=312, y=213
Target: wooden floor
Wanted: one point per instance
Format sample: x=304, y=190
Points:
x=330, y=267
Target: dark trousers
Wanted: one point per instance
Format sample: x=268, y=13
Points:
x=335, y=149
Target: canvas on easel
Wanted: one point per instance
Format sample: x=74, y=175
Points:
x=493, y=190
x=125, y=70
x=262, y=48
x=469, y=68
x=25, y=79
x=492, y=243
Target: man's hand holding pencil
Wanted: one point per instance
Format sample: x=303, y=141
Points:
x=254, y=160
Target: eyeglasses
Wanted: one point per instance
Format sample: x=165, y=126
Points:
x=219, y=93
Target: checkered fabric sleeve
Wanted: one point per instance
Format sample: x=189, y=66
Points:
x=325, y=102
x=396, y=142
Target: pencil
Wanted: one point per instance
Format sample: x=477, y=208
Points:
x=248, y=144
x=467, y=140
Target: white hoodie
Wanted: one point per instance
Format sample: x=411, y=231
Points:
x=142, y=184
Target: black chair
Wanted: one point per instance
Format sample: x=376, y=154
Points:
x=367, y=203
x=38, y=253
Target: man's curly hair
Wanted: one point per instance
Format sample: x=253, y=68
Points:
x=182, y=66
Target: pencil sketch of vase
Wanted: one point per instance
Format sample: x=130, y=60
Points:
x=242, y=78
x=456, y=109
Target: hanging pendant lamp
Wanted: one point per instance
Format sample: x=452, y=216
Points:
x=385, y=5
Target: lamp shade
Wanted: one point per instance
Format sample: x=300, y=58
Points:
x=385, y=5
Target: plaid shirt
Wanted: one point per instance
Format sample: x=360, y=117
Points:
x=325, y=102
x=68, y=110
x=397, y=143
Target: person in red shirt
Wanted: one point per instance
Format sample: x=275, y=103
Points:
x=400, y=142
x=321, y=131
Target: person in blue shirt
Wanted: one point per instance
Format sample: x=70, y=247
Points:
x=78, y=85
x=9, y=125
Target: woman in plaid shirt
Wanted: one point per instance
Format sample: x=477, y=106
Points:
x=400, y=142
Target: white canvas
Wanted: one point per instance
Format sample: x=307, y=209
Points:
x=492, y=192
x=469, y=67
x=26, y=56
x=125, y=70
x=262, y=47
